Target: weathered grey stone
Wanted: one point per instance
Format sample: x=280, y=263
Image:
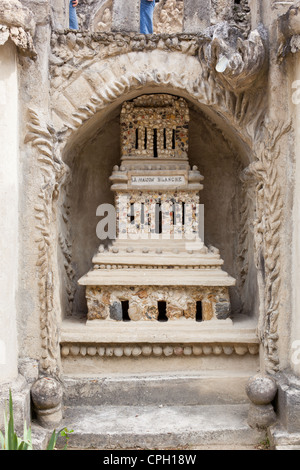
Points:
x=223, y=310
x=20, y=392
x=17, y=23
x=261, y=416
x=126, y=16
x=13, y=13
x=60, y=10
x=116, y=311
x=288, y=402
x=261, y=390
x=154, y=427
x=239, y=62
x=196, y=15
x=29, y=368
x=150, y=390
x=47, y=395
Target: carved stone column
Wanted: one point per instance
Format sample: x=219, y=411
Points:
x=196, y=15
x=126, y=16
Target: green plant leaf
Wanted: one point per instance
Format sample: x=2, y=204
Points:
x=52, y=442
x=12, y=443
x=10, y=440
x=21, y=446
x=2, y=441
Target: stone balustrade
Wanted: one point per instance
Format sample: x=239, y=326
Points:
x=126, y=16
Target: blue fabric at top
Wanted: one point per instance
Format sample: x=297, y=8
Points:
x=146, y=20
x=73, y=21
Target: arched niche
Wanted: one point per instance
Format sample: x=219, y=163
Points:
x=215, y=147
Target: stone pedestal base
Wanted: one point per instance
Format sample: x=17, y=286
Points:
x=47, y=395
x=285, y=435
x=261, y=416
x=288, y=402
x=261, y=391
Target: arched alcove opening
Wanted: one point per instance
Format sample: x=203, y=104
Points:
x=220, y=155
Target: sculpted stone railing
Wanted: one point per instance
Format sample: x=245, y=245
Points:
x=126, y=15
x=170, y=16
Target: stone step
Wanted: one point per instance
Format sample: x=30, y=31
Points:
x=153, y=427
x=169, y=390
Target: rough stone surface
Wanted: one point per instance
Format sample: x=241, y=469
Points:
x=196, y=15
x=46, y=394
x=13, y=13
x=116, y=311
x=29, y=368
x=149, y=427
x=150, y=390
x=261, y=390
x=261, y=416
x=288, y=402
x=180, y=302
x=17, y=23
x=20, y=391
x=126, y=16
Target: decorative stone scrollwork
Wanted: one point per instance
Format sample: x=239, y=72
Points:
x=267, y=224
x=238, y=62
x=72, y=52
x=17, y=23
x=53, y=172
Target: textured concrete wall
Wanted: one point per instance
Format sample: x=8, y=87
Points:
x=9, y=135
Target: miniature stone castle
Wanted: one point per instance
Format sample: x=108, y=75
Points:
x=160, y=336
x=157, y=267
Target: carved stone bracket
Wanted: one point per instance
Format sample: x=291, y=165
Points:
x=289, y=32
x=17, y=23
x=237, y=62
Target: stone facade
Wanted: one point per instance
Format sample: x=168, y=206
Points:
x=106, y=303
x=61, y=93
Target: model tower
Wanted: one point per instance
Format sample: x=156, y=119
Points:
x=158, y=267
